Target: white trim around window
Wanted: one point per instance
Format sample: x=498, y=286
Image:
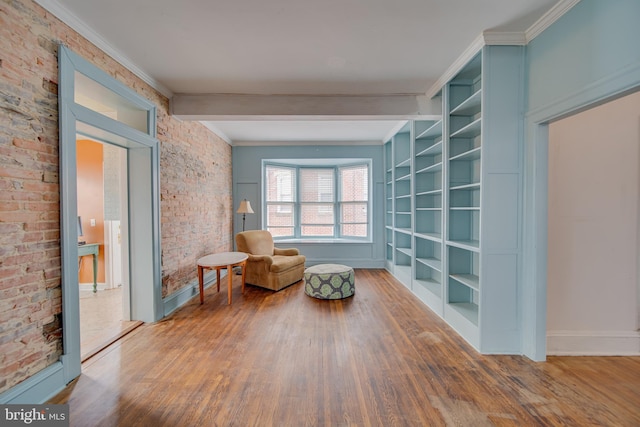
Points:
x=317, y=200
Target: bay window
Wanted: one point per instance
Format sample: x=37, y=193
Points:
x=317, y=199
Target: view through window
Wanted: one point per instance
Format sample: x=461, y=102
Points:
x=317, y=201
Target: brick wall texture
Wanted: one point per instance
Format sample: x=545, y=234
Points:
x=195, y=168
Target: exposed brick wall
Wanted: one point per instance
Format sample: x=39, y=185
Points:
x=195, y=194
x=195, y=168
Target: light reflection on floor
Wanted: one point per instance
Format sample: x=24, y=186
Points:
x=101, y=320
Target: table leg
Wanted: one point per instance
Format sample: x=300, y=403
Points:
x=201, y=283
x=218, y=277
x=243, y=267
x=229, y=273
x=95, y=273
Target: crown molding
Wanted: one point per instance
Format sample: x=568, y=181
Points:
x=213, y=128
x=498, y=38
x=546, y=20
x=486, y=38
x=504, y=38
x=457, y=65
x=63, y=14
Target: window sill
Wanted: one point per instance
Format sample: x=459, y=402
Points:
x=323, y=241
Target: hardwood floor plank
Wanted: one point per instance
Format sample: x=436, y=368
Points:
x=379, y=358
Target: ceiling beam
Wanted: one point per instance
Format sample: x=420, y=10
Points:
x=211, y=107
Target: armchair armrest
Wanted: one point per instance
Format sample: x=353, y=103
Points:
x=260, y=258
x=286, y=251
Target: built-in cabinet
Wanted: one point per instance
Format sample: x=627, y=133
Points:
x=453, y=201
x=428, y=226
x=402, y=203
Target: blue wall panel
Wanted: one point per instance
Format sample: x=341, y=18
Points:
x=593, y=41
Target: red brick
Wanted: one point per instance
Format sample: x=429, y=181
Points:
x=10, y=206
x=9, y=272
x=40, y=186
x=31, y=145
x=19, y=216
x=42, y=225
x=29, y=184
x=19, y=195
x=19, y=173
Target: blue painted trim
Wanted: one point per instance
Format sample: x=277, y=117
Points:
x=70, y=114
x=37, y=388
x=68, y=215
x=155, y=224
x=88, y=69
x=624, y=80
x=182, y=296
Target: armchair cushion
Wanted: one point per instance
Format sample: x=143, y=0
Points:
x=255, y=242
x=269, y=267
x=283, y=263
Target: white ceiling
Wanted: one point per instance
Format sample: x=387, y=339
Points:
x=287, y=47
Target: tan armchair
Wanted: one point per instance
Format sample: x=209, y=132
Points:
x=269, y=267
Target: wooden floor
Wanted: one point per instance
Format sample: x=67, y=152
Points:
x=380, y=358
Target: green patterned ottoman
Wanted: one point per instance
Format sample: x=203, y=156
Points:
x=329, y=281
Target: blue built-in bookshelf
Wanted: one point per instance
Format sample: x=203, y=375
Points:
x=453, y=201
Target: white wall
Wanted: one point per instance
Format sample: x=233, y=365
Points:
x=593, y=217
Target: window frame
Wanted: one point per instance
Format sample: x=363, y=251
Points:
x=300, y=203
x=281, y=203
x=335, y=165
x=340, y=203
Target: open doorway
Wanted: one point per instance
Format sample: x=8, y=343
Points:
x=593, y=246
x=95, y=106
x=105, y=313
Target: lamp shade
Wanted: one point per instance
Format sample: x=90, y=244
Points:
x=245, y=207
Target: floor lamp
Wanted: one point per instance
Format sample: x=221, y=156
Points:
x=244, y=209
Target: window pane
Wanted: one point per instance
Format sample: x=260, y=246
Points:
x=355, y=183
x=317, y=213
x=280, y=184
x=280, y=215
x=354, y=230
x=317, y=230
x=94, y=96
x=316, y=185
x=281, y=232
x=354, y=212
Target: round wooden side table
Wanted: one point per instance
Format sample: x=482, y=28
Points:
x=223, y=260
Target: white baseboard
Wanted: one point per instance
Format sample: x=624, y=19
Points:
x=593, y=343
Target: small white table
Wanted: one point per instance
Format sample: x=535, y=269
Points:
x=219, y=261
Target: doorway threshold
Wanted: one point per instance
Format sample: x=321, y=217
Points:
x=125, y=328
